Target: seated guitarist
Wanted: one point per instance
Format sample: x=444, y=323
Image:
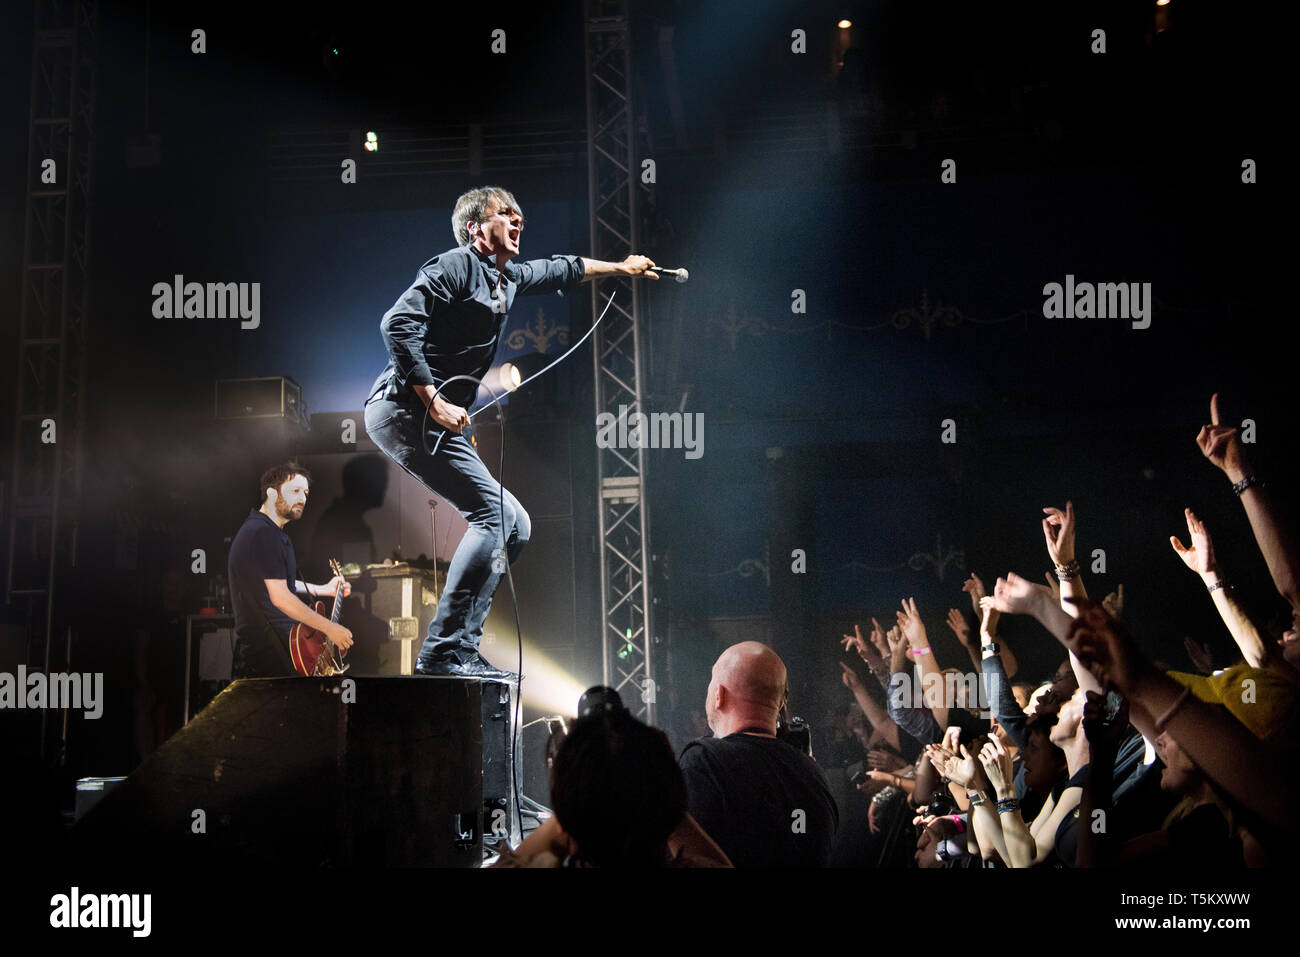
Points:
x=264, y=583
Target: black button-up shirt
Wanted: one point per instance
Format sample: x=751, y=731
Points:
x=450, y=321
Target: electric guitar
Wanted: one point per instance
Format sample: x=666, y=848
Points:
x=313, y=654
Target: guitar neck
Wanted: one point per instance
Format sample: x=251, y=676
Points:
x=338, y=605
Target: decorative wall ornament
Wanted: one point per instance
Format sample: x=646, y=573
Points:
x=539, y=333
x=940, y=559
x=926, y=317
x=734, y=325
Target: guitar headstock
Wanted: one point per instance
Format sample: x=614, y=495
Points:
x=336, y=568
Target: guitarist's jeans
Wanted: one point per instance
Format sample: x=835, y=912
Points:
x=457, y=474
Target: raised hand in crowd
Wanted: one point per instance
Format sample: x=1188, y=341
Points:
x=998, y=766
x=897, y=649
x=1200, y=655
x=851, y=680
x=1058, y=533
x=1104, y=736
x=868, y=651
x=960, y=627
x=1222, y=445
x=954, y=761
x=974, y=586
x=909, y=622
x=1199, y=557
x=1114, y=602
x=878, y=640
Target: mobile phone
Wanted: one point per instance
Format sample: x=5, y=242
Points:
x=1111, y=711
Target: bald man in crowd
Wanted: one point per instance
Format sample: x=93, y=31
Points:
x=762, y=800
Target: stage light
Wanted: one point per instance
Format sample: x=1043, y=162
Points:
x=510, y=376
x=546, y=686
x=845, y=24
x=372, y=142
x=1162, y=3
x=500, y=380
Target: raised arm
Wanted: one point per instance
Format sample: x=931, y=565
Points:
x=989, y=625
x=997, y=689
x=915, y=721
x=1058, y=533
x=1199, y=557
x=1223, y=447
x=871, y=657
x=1094, y=848
x=931, y=677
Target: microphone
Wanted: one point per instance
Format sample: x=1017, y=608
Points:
x=681, y=275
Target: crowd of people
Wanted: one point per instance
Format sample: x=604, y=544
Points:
x=1111, y=760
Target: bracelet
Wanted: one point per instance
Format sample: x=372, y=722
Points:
x=957, y=822
x=1008, y=804
x=1173, y=709
x=1248, y=482
x=1220, y=584
x=1068, y=571
x=921, y=651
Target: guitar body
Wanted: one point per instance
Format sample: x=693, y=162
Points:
x=313, y=654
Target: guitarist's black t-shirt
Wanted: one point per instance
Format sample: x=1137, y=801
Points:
x=261, y=550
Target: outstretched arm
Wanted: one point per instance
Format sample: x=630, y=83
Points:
x=631, y=266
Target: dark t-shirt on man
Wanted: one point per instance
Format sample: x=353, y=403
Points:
x=261, y=550
x=765, y=802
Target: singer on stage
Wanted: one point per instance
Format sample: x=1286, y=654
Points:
x=447, y=324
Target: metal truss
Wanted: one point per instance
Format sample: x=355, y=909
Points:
x=625, y=604
x=50, y=406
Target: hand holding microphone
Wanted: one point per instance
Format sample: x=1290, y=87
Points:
x=644, y=266
x=681, y=275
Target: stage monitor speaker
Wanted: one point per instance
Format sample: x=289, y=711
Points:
x=500, y=748
x=267, y=397
x=314, y=772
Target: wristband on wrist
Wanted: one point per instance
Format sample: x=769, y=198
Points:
x=1008, y=804
x=1248, y=482
x=1068, y=571
x=918, y=652
x=976, y=798
x=1173, y=709
x=1221, y=583
x=991, y=648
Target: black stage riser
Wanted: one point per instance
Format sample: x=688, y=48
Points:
x=287, y=772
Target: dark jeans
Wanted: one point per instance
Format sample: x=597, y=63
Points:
x=457, y=474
